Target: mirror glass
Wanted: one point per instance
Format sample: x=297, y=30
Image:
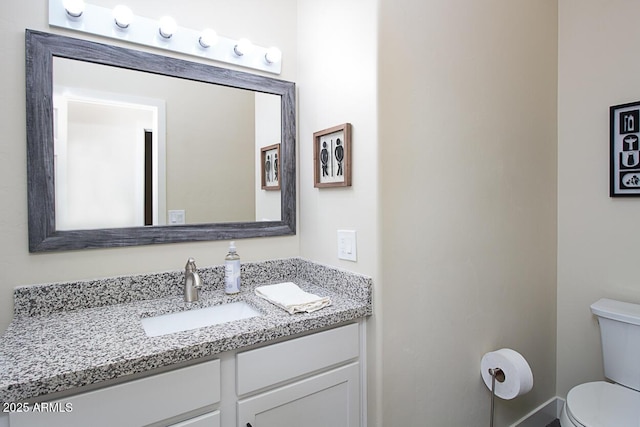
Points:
x=116, y=128
x=129, y=148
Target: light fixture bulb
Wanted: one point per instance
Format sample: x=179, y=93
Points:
x=208, y=38
x=243, y=47
x=122, y=16
x=167, y=27
x=74, y=8
x=273, y=55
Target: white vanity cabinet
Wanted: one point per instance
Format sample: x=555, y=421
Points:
x=140, y=402
x=314, y=381
x=311, y=381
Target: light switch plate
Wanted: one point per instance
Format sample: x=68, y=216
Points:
x=347, y=247
x=176, y=217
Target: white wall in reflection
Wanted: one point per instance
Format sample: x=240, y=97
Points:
x=100, y=160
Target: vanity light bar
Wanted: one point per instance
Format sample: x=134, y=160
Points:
x=101, y=21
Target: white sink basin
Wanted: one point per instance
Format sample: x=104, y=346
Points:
x=192, y=319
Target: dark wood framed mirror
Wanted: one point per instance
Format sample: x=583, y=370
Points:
x=41, y=50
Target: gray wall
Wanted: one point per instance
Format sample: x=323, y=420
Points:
x=597, y=249
x=467, y=110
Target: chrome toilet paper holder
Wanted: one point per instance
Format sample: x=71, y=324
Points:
x=497, y=374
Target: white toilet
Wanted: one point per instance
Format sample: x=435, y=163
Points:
x=603, y=404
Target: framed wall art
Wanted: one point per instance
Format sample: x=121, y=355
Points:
x=624, y=122
x=270, y=165
x=332, y=157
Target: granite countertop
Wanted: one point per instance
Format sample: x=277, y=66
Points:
x=70, y=335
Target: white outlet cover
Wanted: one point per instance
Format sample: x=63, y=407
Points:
x=347, y=246
x=176, y=217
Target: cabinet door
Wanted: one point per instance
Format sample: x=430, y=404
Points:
x=328, y=399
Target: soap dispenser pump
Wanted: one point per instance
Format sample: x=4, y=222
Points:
x=232, y=271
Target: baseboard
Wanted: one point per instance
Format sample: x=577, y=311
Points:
x=542, y=415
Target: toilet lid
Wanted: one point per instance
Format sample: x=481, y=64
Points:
x=601, y=404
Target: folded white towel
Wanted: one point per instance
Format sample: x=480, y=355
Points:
x=291, y=298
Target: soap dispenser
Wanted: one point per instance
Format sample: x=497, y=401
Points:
x=232, y=271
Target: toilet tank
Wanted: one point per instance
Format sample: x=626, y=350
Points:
x=620, y=333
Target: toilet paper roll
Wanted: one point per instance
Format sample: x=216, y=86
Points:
x=517, y=372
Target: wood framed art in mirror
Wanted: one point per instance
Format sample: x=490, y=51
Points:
x=270, y=167
x=45, y=235
x=332, y=157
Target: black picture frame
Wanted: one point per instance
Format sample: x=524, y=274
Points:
x=624, y=124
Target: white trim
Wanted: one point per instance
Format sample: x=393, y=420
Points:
x=363, y=372
x=542, y=415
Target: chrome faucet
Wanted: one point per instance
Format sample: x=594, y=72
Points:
x=192, y=282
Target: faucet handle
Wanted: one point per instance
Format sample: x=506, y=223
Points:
x=191, y=265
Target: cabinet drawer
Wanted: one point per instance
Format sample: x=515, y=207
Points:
x=135, y=403
x=273, y=364
x=212, y=419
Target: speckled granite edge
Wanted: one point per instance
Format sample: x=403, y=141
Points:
x=48, y=298
x=353, y=285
